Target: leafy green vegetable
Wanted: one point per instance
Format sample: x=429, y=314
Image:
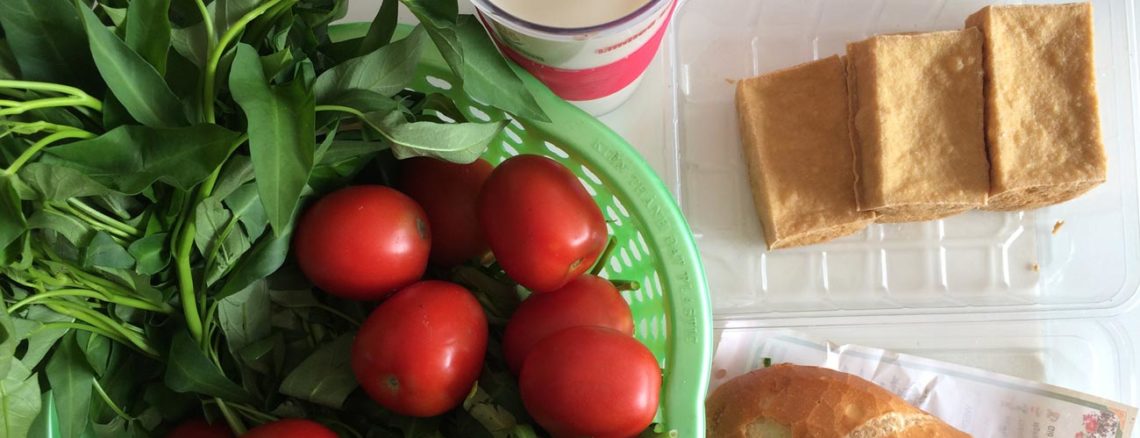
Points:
x=154, y=158
x=150, y=253
x=382, y=28
x=282, y=135
x=48, y=42
x=148, y=31
x=130, y=158
x=71, y=379
x=58, y=183
x=385, y=71
x=136, y=84
x=12, y=221
x=189, y=370
x=325, y=377
x=465, y=142
x=474, y=59
x=104, y=252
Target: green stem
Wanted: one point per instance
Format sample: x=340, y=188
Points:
x=232, y=419
x=340, y=108
x=186, y=281
x=110, y=403
x=57, y=88
x=253, y=414
x=185, y=244
x=30, y=299
x=85, y=327
x=37, y=127
x=43, y=142
x=107, y=220
x=102, y=321
x=51, y=102
x=94, y=223
x=604, y=257
x=217, y=52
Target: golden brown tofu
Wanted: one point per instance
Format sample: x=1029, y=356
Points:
x=917, y=124
x=793, y=124
x=1042, y=125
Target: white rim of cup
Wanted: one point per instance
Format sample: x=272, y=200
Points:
x=497, y=14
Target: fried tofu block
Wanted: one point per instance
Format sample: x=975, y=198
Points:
x=793, y=124
x=917, y=124
x=1042, y=125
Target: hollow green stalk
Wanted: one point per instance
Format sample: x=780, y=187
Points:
x=42, y=143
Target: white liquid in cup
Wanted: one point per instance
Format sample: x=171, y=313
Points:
x=569, y=13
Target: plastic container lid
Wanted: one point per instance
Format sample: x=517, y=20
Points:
x=1001, y=291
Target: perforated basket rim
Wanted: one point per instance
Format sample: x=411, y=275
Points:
x=685, y=288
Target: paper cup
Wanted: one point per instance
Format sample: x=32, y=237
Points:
x=597, y=67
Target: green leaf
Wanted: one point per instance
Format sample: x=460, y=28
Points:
x=382, y=28
x=9, y=69
x=19, y=399
x=47, y=424
x=39, y=340
x=48, y=42
x=282, y=135
x=488, y=78
x=97, y=350
x=67, y=226
x=58, y=183
x=227, y=12
x=455, y=142
x=263, y=259
x=237, y=171
x=436, y=13
x=245, y=204
x=104, y=252
x=274, y=63
x=464, y=44
x=244, y=316
x=148, y=31
x=130, y=158
x=384, y=71
x=190, y=42
x=151, y=253
x=341, y=150
x=325, y=377
x=12, y=220
x=189, y=370
x=70, y=377
x=137, y=85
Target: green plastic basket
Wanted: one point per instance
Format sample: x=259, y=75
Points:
x=653, y=243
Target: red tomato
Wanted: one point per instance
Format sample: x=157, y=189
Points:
x=448, y=193
x=420, y=352
x=199, y=428
x=591, y=381
x=543, y=227
x=586, y=300
x=290, y=428
x=363, y=242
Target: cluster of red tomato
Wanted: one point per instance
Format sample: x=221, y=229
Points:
x=580, y=371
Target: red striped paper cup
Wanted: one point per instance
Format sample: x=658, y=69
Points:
x=597, y=67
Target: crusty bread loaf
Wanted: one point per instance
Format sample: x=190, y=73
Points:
x=791, y=401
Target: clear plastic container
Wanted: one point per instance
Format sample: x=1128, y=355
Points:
x=1011, y=292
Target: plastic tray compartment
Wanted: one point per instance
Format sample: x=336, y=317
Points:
x=971, y=263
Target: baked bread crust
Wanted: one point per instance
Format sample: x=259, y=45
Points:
x=792, y=401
